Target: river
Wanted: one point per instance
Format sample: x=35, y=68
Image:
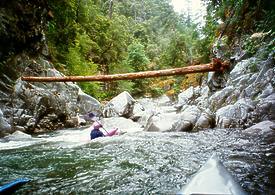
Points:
x=67, y=162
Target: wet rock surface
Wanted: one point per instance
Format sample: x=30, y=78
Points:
x=121, y=105
x=4, y=125
x=40, y=107
x=240, y=98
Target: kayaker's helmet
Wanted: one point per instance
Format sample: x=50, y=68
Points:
x=97, y=125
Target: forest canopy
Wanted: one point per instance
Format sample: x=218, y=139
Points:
x=88, y=37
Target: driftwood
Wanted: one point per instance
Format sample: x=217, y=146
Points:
x=216, y=65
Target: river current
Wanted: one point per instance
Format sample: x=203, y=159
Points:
x=67, y=162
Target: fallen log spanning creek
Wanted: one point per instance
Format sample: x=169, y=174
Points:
x=136, y=162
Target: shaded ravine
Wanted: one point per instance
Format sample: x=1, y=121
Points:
x=135, y=163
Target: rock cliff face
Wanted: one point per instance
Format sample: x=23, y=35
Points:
x=240, y=98
x=21, y=27
x=36, y=107
x=33, y=107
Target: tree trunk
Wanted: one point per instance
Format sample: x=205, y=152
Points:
x=216, y=65
x=111, y=9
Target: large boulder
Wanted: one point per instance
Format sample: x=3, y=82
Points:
x=50, y=106
x=148, y=108
x=124, y=125
x=77, y=101
x=239, y=98
x=203, y=96
x=121, y=105
x=86, y=103
x=161, y=122
x=5, y=127
x=265, y=108
x=261, y=82
x=216, y=81
x=234, y=115
x=186, y=96
x=193, y=96
x=242, y=68
x=206, y=120
x=247, y=98
x=163, y=100
x=140, y=114
x=193, y=118
x=264, y=130
x=18, y=136
x=218, y=99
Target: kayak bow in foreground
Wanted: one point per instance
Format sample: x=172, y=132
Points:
x=213, y=178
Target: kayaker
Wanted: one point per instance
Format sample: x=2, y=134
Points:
x=95, y=133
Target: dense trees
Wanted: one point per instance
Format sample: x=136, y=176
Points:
x=240, y=17
x=87, y=37
x=112, y=36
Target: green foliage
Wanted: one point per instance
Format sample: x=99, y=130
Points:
x=250, y=46
x=253, y=43
x=137, y=58
x=125, y=86
x=269, y=48
x=209, y=35
x=176, y=54
x=241, y=16
x=140, y=35
x=93, y=88
x=63, y=27
x=266, y=23
x=156, y=92
x=3, y=23
x=183, y=48
x=77, y=65
x=89, y=43
x=137, y=61
x=92, y=37
x=253, y=67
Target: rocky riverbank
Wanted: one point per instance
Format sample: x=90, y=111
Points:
x=39, y=107
x=239, y=98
